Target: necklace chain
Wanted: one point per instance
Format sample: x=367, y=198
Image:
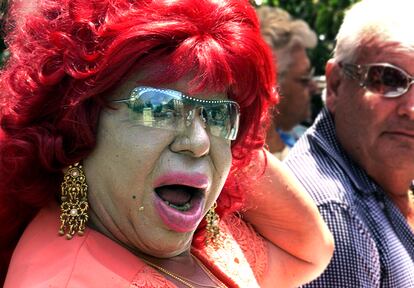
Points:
x=188, y=282
x=209, y=273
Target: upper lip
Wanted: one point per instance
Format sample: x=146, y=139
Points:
x=191, y=179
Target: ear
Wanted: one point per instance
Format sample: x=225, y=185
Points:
x=333, y=80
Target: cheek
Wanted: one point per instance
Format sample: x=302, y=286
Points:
x=123, y=159
x=361, y=121
x=371, y=113
x=221, y=158
x=221, y=155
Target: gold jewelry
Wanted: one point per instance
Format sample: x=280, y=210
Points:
x=74, y=206
x=188, y=282
x=212, y=227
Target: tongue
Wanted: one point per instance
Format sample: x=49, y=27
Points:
x=177, y=195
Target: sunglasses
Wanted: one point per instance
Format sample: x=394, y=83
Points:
x=172, y=110
x=381, y=78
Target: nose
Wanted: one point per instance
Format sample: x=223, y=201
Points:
x=194, y=139
x=406, y=105
x=313, y=87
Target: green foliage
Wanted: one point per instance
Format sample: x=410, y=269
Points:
x=323, y=16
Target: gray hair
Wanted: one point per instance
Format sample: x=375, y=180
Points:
x=283, y=34
x=370, y=21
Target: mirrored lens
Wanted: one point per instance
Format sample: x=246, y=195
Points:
x=168, y=109
x=152, y=108
x=386, y=80
x=223, y=120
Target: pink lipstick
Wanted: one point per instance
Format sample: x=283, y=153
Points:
x=196, y=180
x=180, y=199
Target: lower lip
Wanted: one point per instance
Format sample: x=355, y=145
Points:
x=180, y=221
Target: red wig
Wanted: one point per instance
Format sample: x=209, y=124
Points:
x=66, y=55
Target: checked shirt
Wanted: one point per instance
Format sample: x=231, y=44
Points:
x=374, y=246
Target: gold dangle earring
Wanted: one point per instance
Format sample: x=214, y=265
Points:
x=74, y=198
x=212, y=227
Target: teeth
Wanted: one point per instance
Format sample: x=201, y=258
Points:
x=184, y=207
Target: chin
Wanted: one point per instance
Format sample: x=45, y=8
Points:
x=172, y=246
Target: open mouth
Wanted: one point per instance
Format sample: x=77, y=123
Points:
x=179, y=206
x=179, y=197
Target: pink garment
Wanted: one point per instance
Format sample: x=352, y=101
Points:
x=43, y=259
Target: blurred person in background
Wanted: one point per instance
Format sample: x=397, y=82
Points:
x=288, y=38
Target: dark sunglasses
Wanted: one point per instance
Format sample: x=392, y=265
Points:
x=172, y=110
x=380, y=78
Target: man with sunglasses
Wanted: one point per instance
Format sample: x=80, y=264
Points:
x=357, y=160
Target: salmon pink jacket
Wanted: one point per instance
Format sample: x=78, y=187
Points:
x=44, y=259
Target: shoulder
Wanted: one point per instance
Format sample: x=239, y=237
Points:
x=44, y=259
x=326, y=175
x=320, y=173
x=322, y=166
x=356, y=261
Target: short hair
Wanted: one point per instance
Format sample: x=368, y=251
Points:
x=370, y=21
x=283, y=34
x=67, y=55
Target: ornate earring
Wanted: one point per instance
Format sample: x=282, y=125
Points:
x=212, y=227
x=74, y=206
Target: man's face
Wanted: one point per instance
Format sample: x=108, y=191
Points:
x=295, y=87
x=377, y=132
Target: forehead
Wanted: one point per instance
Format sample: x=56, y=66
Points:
x=183, y=85
x=299, y=61
x=300, y=55
x=394, y=52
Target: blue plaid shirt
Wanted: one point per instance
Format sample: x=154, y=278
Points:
x=374, y=246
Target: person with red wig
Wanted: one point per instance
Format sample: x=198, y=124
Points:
x=132, y=151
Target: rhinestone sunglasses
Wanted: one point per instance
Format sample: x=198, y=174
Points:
x=173, y=110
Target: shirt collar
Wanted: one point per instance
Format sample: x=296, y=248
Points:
x=323, y=133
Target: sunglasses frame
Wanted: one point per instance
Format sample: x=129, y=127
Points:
x=198, y=104
x=360, y=73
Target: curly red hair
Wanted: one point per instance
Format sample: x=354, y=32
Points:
x=66, y=55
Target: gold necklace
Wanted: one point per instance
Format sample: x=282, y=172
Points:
x=188, y=282
x=209, y=274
